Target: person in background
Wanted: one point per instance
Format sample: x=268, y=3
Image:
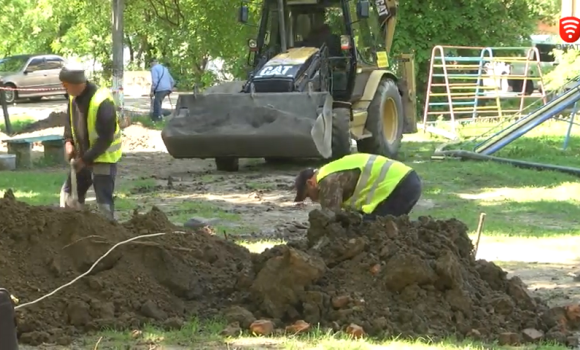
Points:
x=92, y=138
x=371, y=184
x=162, y=84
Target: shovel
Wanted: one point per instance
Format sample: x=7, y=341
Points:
x=73, y=199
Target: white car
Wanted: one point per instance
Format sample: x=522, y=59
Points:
x=32, y=76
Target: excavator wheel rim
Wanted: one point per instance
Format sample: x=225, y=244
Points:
x=390, y=120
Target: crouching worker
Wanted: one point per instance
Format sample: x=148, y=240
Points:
x=373, y=185
x=92, y=138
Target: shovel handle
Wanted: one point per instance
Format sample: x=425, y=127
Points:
x=73, y=181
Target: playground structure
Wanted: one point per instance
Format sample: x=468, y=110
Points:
x=567, y=99
x=483, y=150
x=470, y=83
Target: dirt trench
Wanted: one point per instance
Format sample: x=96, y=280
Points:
x=392, y=277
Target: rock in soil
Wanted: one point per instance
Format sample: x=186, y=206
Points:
x=388, y=277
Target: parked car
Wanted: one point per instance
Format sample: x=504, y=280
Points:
x=38, y=74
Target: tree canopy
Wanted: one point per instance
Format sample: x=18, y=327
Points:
x=186, y=33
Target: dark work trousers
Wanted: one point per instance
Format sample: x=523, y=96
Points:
x=159, y=96
x=102, y=177
x=402, y=200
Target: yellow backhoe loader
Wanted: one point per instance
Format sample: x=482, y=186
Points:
x=321, y=76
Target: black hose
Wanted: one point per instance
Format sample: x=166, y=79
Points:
x=517, y=163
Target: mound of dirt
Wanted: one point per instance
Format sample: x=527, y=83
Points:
x=399, y=278
x=390, y=277
x=138, y=138
x=54, y=120
x=161, y=280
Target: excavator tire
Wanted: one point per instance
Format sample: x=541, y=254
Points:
x=340, y=133
x=227, y=164
x=385, y=121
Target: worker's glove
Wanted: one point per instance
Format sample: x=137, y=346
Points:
x=69, y=151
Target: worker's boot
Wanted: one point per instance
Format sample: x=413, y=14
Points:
x=107, y=211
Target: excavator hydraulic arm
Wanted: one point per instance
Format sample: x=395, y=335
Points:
x=388, y=19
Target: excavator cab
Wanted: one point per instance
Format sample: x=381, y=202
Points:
x=319, y=77
x=307, y=25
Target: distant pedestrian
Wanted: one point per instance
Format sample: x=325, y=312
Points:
x=162, y=84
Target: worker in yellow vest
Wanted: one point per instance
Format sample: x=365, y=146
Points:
x=373, y=185
x=92, y=138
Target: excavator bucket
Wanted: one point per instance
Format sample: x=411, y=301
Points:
x=244, y=125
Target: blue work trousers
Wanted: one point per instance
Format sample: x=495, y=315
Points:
x=158, y=98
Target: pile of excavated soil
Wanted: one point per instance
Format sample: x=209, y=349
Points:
x=138, y=138
x=161, y=280
x=54, y=120
x=135, y=137
x=390, y=277
x=400, y=278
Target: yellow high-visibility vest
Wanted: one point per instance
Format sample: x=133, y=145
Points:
x=114, y=153
x=378, y=178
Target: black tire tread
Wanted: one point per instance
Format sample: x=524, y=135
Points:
x=378, y=144
x=12, y=86
x=340, y=132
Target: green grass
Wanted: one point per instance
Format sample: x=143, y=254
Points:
x=33, y=187
x=18, y=123
x=190, y=208
x=206, y=335
x=36, y=188
x=148, y=123
x=518, y=202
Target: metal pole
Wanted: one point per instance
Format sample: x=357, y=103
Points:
x=569, y=131
x=118, y=38
x=282, y=25
x=5, y=110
